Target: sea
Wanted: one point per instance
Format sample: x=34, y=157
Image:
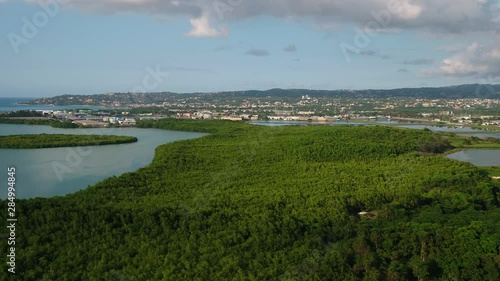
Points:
x=14, y=104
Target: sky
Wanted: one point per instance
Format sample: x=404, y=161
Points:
x=56, y=47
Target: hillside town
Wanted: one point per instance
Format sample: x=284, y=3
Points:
x=293, y=107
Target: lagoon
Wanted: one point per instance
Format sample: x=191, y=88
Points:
x=482, y=135
x=302, y=123
x=478, y=157
x=60, y=171
x=447, y=129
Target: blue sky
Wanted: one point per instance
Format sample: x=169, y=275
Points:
x=92, y=47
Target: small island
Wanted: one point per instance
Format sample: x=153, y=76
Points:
x=60, y=140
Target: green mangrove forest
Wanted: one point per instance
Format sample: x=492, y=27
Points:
x=272, y=203
x=60, y=140
x=44, y=122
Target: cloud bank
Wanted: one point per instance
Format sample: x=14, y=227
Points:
x=476, y=60
x=452, y=16
x=210, y=18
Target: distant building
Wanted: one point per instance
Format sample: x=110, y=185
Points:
x=207, y=115
x=282, y=112
x=275, y=117
x=305, y=112
x=446, y=113
x=128, y=122
x=45, y=112
x=231, y=118
x=91, y=123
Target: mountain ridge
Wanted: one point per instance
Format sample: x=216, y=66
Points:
x=482, y=91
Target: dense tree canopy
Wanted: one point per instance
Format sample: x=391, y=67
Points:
x=272, y=203
x=22, y=113
x=60, y=140
x=47, y=122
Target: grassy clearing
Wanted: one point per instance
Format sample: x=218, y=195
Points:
x=492, y=171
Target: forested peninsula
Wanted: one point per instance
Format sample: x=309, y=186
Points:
x=272, y=203
x=44, y=122
x=60, y=140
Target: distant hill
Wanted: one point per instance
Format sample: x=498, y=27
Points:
x=451, y=92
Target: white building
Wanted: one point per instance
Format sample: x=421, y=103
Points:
x=128, y=122
x=206, y=115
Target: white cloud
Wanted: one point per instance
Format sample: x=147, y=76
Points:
x=201, y=28
x=476, y=61
x=406, y=10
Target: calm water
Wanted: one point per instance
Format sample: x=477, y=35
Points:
x=12, y=104
x=483, y=136
x=442, y=128
x=386, y=122
x=9, y=104
x=478, y=157
x=301, y=123
x=59, y=171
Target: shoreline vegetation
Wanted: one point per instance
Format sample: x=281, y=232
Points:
x=464, y=142
x=273, y=203
x=60, y=140
x=40, y=121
